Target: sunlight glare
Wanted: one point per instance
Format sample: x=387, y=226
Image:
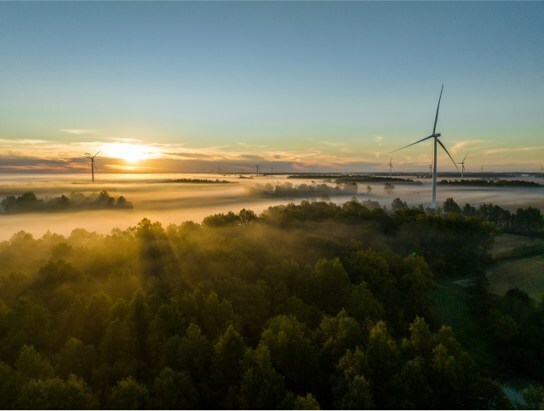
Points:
x=131, y=153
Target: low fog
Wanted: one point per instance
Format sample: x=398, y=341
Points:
x=160, y=198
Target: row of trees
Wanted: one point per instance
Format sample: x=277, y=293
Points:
x=29, y=202
x=301, y=190
x=305, y=306
x=490, y=183
x=527, y=221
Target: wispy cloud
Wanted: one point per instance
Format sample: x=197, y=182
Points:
x=467, y=145
x=333, y=143
x=513, y=150
x=79, y=131
x=124, y=140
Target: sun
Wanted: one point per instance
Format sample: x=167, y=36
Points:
x=131, y=153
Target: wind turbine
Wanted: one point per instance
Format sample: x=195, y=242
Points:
x=463, y=165
x=541, y=171
x=257, y=166
x=390, y=165
x=92, y=162
x=434, y=136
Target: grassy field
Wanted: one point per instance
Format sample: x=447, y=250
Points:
x=524, y=273
x=505, y=244
x=520, y=265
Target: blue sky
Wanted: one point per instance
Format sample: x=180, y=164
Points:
x=337, y=84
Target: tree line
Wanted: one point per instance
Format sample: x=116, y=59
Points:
x=29, y=202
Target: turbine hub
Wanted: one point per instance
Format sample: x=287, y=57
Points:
x=437, y=135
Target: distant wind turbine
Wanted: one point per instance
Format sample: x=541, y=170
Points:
x=390, y=165
x=92, y=162
x=463, y=165
x=541, y=171
x=257, y=166
x=434, y=136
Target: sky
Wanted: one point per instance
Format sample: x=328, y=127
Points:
x=292, y=86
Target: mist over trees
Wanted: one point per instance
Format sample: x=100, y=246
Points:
x=304, y=306
x=289, y=190
x=29, y=202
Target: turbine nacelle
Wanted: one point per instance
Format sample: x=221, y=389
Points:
x=437, y=135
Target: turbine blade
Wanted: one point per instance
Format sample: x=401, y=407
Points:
x=438, y=108
x=465, y=157
x=97, y=153
x=419, y=141
x=446, y=150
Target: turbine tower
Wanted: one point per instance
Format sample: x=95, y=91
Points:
x=390, y=165
x=92, y=163
x=434, y=136
x=463, y=165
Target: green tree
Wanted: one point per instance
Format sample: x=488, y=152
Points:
x=299, y=402
x=262, y=386
x=129, y=394
x=327, y=286
x=412, y=388
x=420, y=342
x=55, y=393
x=398, y=204
x=117, y=354
x=362, y=305
x=351, y=388
x=229, y=353
x=292, y=351
x=174, y=390
x=450, y=206
x=528, y=220
x=76, y=358
x=32, y=365
x=534, y=397
x=139, y=325
x=339, y=334
x=383, y=360
x=10, y=384
x=358, y=395
x=28, y=323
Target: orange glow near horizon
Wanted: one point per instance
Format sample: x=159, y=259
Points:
x=131, y=153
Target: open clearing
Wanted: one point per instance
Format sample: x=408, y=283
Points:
x=515, y=270
x=524, y=273
x=506, y=244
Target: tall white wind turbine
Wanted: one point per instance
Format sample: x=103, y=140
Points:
x=463, y=165
x=434, y=136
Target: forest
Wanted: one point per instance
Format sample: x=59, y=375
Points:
x=305, y=306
